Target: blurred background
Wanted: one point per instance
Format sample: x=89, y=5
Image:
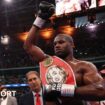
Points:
x=16, y=18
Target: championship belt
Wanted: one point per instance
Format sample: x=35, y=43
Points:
x=56, y=70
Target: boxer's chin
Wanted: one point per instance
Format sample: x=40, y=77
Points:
x=61, y=55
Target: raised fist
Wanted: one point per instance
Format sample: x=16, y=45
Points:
x=46, y=10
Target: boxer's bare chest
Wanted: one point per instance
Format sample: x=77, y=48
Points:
x=78, y=72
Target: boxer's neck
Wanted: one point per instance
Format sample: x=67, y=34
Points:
x=69, y=58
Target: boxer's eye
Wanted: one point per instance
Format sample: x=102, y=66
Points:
x=61, y=41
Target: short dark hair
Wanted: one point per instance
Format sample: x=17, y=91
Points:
x=66, y=36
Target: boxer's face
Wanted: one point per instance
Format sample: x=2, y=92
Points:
x=62, y=47
x=34, y=82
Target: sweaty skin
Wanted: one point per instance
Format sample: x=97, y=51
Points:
x=90, y=84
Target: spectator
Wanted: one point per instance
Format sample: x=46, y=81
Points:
x=36, y=90
x=7, y=99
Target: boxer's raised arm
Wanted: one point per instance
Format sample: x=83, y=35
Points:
x=36, y=53
x=46, y=10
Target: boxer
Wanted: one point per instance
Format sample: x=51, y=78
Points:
x=89, y=83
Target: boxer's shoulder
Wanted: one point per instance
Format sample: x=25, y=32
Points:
x=85, y=65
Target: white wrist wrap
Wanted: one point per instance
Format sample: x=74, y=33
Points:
x=47, y=88
x=39, y=22
x=67, y=90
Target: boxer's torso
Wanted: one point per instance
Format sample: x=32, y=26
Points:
x=78, y=69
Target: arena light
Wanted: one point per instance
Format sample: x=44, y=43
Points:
x=5, y=39
x=47, y=33
x=66, y=29
x=15, y=85
x=8, y=1
x=92, y=27
x=22, y=36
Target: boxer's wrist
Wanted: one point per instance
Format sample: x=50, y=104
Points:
x=67, y=90
x=39, y=22
x=63, y=89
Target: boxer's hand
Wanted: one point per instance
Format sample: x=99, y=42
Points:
x=63, y=89
x=46, y=10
